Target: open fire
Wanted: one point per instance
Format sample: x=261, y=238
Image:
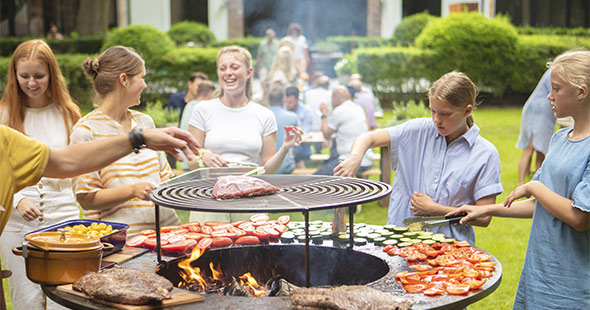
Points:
x=195, y=280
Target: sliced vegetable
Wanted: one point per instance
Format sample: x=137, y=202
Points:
x=136, y=241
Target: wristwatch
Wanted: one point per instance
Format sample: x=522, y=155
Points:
x=324, y=116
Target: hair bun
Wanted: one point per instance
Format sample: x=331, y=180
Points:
x=94, y=65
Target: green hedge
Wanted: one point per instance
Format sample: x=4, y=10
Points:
x=480, y=47
x=349, y=43
x=148, y=41
x=578, y=31
x=411, y=26
x=188, y=31
x=79, y=45
x=250, y=43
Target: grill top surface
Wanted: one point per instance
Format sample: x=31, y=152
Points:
x=296, y=193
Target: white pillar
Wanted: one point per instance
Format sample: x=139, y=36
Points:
x=391, y=16
x=150, y=12
x=218, y=18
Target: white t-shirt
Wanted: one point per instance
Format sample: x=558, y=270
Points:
x=348, y=120
x=235, y=134
x=313, y=99
x=300, y=44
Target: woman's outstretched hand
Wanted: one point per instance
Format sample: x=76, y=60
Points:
x=348, y=167
x=473, y=212
x=519, y=192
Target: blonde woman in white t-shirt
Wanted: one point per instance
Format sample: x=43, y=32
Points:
x=232, y=127
x=37, y=103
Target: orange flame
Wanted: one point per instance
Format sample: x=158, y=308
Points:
x=190, y=274
x=249, y=282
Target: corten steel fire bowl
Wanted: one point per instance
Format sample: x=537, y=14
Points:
x=329, y=266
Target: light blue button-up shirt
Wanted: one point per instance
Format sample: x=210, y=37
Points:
x=462, y=172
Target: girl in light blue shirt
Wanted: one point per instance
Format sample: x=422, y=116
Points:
x=556, y=271
x=440, y=163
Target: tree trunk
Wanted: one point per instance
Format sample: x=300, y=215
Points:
x=93, y=17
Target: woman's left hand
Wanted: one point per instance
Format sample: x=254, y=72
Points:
x=292, y=137
x=519, y=192
x=421, y=204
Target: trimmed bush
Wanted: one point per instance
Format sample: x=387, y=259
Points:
x=403, y=112
x=189, y=31
x=410, y=27
x=347, y=44
x=482, y=48
x=79, y=45
x=148, y=41
x=250, y=43
x=578, y=31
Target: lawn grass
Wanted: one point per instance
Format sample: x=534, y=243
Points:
x=506, y=239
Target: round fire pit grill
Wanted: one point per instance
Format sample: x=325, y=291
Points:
x=296, y=193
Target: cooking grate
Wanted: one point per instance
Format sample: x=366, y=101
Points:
x=296, y=193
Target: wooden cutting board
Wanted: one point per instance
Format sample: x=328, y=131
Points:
x=178, y=298
x=125, y=254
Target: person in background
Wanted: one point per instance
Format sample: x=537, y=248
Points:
x=54, y=32
x=284, y=118
x=235, y=129
x=300, y=50
x=120, y=191
x=347, y=121
x=536, y=128
x=313, y=99
x=204, y=92
x=282, y=69
x=365, y=98
x=559, y=243
x=291, y=103
x=440, y=163
x=266, y=54
x=36, y=102
x=179, y=100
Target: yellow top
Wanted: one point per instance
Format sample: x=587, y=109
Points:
x=22, y=163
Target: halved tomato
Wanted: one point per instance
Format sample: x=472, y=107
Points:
x=415, y=288
x=284, y=219
x=186, y=225
x=206, y=230
x=221, y=241
x=261, y=233
x=259, y=217
x=433, y=291
x=247, y=227
x=152, y=243
x=204, y=243
x=147, y=232
x=170, y=228
x=248, y=240
x=136, y=241
x=473, y=283
x=179, y=246
x=458, y=289
x=421, y=267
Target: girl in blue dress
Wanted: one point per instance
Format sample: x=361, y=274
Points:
x=556, y=271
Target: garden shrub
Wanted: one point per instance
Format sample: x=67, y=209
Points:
x=79, y=84
x=188, y=31
x=577, y=31
x=73, y=45
x=348, y=43
x=410, y=27
x=160, y=114
x=480, y=47
x=148, y=41
x=250, y=43
x=403, y=112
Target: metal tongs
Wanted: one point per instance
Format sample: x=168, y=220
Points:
x=418, y=223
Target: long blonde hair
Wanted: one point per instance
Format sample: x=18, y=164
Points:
x=456, y=89
x=246, y=57
x=283, y=61
x=14, y=98
x=574, y=68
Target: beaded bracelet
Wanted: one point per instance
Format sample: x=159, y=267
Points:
x=137, y=140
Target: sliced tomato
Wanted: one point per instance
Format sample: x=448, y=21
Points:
x=434, y=291
x=259, y=217
x=206, y=230
x=213, y=223
x=237, y=232
x=195, y=236
x=193, y=228
x=415, y=288
x=237, y=223
x=225, y=227
x=204, y=243
x=387, y=248
x=421, y=267
x=284, y=219
x=176, y=238
x=473, y=283
x=247, y=227
x=260, y=223
x=170, y=228
x=272, y=232
x=223, y=233
x=147, y=232
x=248, y=240
x=179, y=231
x=261, y=233
x=281, y=228
x=186, y=225
x=289, y=128
x=136, y=241
x=458, y=289
x=221, y=241
x=486, y=264
x=179, y=246
x=152, y=243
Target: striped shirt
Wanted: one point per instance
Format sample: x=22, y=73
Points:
x=145, y=166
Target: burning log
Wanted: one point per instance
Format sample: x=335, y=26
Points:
x=277, y=286
x=235, y=288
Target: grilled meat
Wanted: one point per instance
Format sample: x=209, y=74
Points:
x=354, y=297
x=235, y=186
x=124, y=285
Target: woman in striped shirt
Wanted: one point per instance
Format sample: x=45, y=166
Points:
x=120, y=191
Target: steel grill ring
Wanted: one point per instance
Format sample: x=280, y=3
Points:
x=296, y=193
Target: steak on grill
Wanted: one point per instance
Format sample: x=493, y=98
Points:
x=124, y=285
x=354, y=297
x=235, y=186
